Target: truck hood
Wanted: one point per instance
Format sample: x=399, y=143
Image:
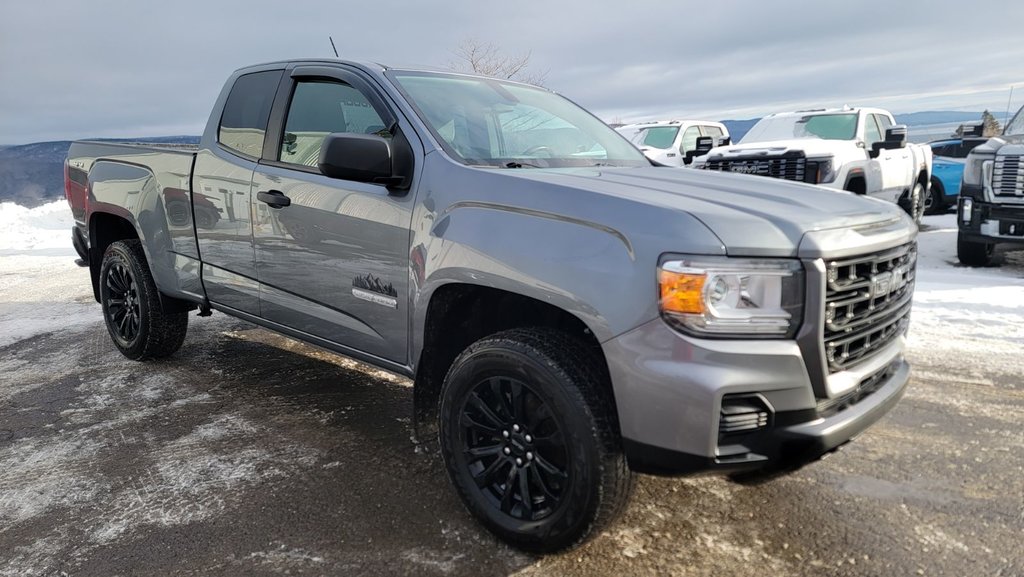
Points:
x=1001, y=144
x=809, y=146
x=751, y=215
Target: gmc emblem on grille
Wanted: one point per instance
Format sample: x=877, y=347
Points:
x=884, y=283
x=743, y=168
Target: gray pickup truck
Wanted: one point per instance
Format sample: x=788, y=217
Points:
x=990, y=209
x=570, y=313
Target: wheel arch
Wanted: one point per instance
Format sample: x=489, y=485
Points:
x=459, y=314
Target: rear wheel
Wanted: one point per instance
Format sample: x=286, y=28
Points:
x=132, y=309
x=913, y=203
x=935, y=201
x=530, y=439
x=973, y=253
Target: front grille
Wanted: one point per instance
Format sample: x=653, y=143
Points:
x=788, y=168
x=1008, y=176
x=829, y=407
x=867, y=303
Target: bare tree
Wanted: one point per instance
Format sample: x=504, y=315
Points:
x=478, y=57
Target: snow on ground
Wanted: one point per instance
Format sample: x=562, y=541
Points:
x=960, y=313
x=957, y=310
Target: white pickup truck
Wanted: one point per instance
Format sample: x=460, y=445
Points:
x=673, y=142
x=861, y=150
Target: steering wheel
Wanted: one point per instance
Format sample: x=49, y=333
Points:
x=539, y=149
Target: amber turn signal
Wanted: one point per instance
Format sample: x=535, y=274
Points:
x=681, y=292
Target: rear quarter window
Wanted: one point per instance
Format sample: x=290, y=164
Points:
x=243, y=123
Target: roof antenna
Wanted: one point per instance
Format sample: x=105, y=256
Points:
x=332, y=46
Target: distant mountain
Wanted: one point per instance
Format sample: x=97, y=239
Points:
x=33, y=174
x=940, y=117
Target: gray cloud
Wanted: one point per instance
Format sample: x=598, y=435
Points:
x=72, y=69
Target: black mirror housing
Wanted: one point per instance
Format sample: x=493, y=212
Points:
x=895, y=137
x=358, y=157
x=704, y=145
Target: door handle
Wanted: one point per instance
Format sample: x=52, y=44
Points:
x=274, y=198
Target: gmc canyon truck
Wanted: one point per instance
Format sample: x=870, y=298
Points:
x=859, y=150
x=569, y=313
x=990, y=210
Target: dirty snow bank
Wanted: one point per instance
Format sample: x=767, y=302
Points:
x=40, y=231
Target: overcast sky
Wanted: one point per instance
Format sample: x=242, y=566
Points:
x=73, y=68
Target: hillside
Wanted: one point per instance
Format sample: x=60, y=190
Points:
x=33, y=174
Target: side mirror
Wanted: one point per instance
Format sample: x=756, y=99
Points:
x=725, y=141
x=704, y=146
x=895, y=137
x=358, y=157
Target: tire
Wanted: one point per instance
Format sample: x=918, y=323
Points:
x=571, y=465
x=935, y=202
x=132, y=309
x=973, y=253
x=914, y=204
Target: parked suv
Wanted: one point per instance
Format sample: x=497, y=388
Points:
x=673, y=142
x=860, y=150
x=947, y=171
x=991, y=206
x=570, y=313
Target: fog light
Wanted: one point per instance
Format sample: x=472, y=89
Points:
x=966, y=207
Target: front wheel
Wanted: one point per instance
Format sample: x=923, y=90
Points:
x=530, y=439
x=973, y=253
x=132, y=309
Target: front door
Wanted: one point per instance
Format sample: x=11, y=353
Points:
x=334, y=262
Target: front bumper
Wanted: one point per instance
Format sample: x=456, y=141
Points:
x=669, y=390
x=989, y=223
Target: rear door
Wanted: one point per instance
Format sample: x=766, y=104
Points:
x=334, y=263
x=221, y=184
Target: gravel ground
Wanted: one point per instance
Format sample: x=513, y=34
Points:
x=251, y=454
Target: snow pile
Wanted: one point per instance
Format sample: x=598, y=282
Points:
x=40, y=231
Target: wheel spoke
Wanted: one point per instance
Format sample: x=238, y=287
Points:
x=518, y=402
x=506, y=497
x=490, y=474
x=471, y=422
x=524, y=493
x=548, y=468
x=486, y=411
x=538, y=479
x=498, y=391
x=480, y=452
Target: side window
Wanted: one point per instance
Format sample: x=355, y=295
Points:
x=871, y=132
x=883, y=121
x=243, y=123
x=319, y=108
x=689, y=139
x=713, y=131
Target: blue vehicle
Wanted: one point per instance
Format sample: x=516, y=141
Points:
x=948, y=158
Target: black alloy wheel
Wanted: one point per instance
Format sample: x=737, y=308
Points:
x=142, y=324
x=123, y=309
x=529, y=434
x=516, y=451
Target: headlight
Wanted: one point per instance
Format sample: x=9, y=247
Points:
x=973, y=169
x=732, y=297
x=826, y=169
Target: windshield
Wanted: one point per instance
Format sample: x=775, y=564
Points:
x=487, y=122
x=657, y=136
x=822, y=126
x=1016, y=126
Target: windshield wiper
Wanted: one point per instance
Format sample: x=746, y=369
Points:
x=515, y=164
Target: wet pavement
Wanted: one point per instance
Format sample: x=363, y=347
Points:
x=250, y=454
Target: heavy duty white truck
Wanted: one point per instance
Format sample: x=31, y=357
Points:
x=861, y=150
